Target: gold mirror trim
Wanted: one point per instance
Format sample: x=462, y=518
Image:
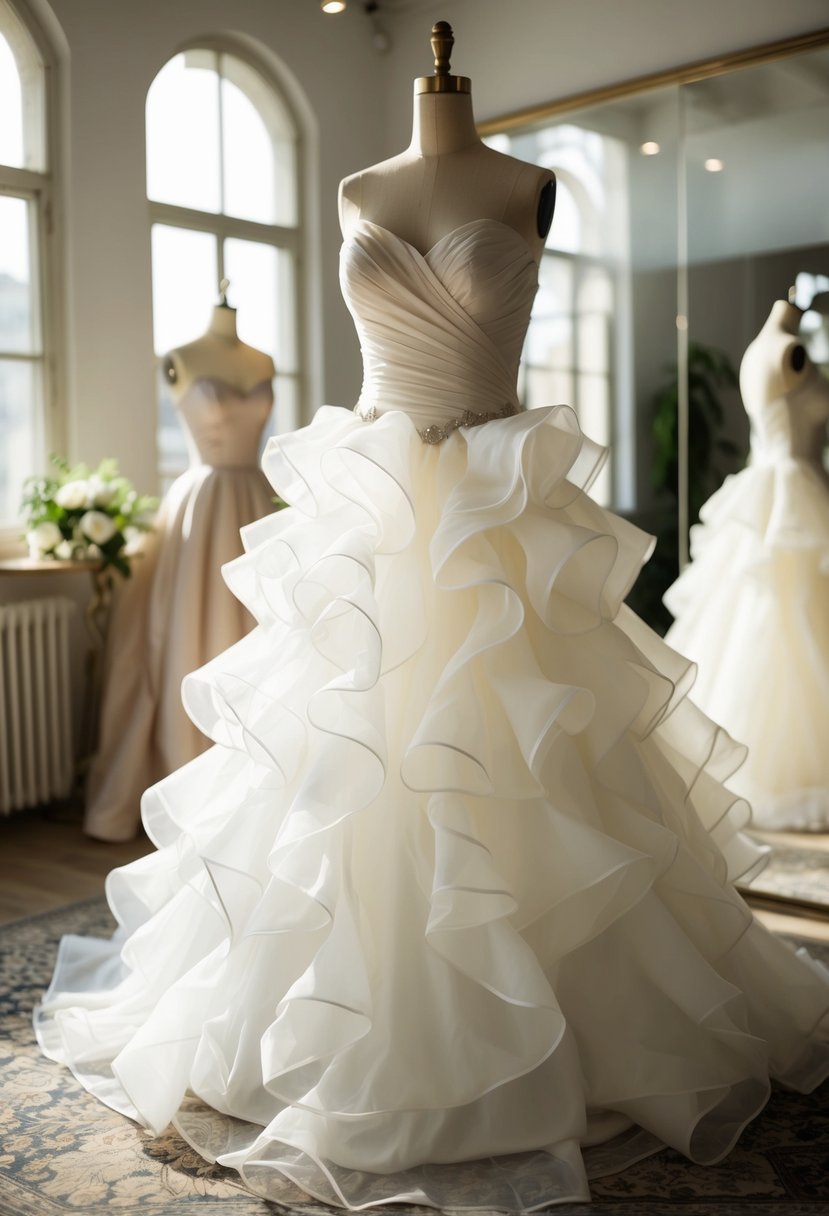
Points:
x=687, y=74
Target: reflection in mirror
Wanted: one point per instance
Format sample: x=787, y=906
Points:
x=710, y=192
x=753, y=608
x=575, y=350
x=602, y=337
x=757, y=175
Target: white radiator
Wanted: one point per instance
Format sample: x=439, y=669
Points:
x=36, y=762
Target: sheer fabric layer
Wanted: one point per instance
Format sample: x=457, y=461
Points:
x=453, y=885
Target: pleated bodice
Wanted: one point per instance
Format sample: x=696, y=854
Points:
x=441, y=333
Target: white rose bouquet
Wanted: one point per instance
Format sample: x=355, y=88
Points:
x=82, y=515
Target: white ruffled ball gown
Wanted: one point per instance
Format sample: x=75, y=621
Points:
x=752, y=609
x=175, y=612
x=449, y=901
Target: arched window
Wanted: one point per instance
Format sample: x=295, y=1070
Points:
x=223, y=187
x=24, y=217
x=574, y=337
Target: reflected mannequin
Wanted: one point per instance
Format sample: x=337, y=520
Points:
x=175, y=612
x=752, y=609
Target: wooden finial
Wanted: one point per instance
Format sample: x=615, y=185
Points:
x=443, y=81
x=442, y=42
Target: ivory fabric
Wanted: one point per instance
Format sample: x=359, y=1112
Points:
x=445, y=915
x=175, y=611
x=752, y=610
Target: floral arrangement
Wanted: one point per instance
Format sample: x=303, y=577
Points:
x=77, y=514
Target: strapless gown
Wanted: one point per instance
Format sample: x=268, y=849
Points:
x=175, y=612
x=445, y=916
x=752, y=610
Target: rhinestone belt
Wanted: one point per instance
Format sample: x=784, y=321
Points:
x=436, y=433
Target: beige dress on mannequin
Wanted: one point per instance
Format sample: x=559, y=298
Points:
x=449, y=903
x=176, y=612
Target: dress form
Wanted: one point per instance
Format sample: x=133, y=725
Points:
x=176, y=612
x=218, y=355
x=785, y=395
x=448, y=177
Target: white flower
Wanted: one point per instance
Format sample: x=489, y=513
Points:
x=97, y=527
x=73, y=495
x=43, y=539
x=99, y=493
x=135, y=539
x=93, y=553
x=64, y=551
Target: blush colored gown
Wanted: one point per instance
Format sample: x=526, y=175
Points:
x=175, y=612
x=752, y=610
x=445, y=916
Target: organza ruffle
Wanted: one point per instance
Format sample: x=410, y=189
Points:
x=454, y=883
x=752, y=610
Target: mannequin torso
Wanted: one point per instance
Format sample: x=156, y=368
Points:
x=785, y=396
x=446, y=178
x=217, y=355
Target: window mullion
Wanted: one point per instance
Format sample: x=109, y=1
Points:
x=21, y=181
x=220, y=259
x=221, y=112
x=224, y=226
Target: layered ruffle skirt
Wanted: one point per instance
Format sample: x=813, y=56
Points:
x=445, y=915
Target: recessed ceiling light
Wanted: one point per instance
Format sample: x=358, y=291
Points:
x=332, y=6
x=649, y=148
x=713, y=165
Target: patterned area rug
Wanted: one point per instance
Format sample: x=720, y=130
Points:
x=63, y=1152
x=794, y=872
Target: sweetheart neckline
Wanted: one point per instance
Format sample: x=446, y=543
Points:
x=453, y=232
x=218, y=380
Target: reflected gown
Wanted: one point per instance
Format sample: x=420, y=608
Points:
x=175, y=612
x=445, y=916
x=752, y=610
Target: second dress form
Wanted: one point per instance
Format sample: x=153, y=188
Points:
x=176, y=612
x=752, y=610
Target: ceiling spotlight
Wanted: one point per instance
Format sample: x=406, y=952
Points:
x=649, y=148
x=713, y=165
x=332, y=6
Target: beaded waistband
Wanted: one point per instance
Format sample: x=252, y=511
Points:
x=437, y=432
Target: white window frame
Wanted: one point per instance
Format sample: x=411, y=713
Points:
x=223, y=227
x=38, y=189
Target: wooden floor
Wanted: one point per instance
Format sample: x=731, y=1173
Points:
x=47, y=862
